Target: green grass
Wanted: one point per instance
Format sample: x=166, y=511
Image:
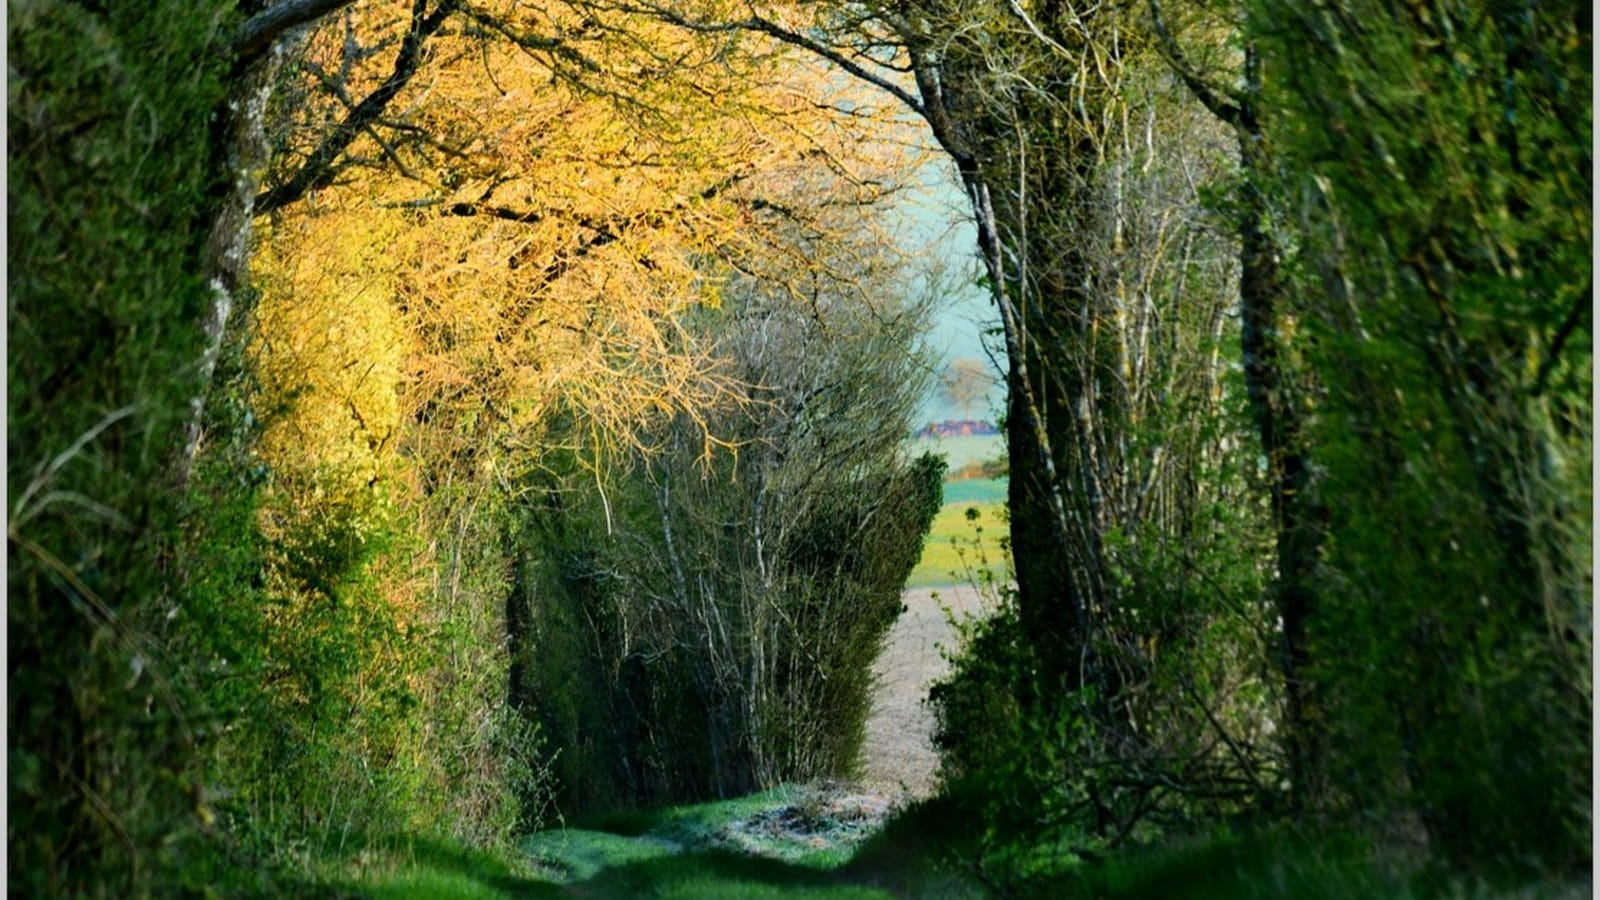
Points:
x=674, y=829
x=925, y=852
x=690, y=823
x=708, y=874
x=959, y=545
x=715, y=875
x=671, y=854
x=576, y=854
x=1278, y=865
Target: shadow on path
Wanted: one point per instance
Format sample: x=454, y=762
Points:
x=438, y=870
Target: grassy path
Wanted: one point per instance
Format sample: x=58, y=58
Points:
x=843, y=842
x=811, y=843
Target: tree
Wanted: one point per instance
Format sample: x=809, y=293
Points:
x=1443, y=278
x=721, y=616
x=1278, y=397
x=104, y=296
x=527, y=252
x=559, y=226
x=964, y=382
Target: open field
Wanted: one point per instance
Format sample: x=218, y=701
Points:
x=964, y=540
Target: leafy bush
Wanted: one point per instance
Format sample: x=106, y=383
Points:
x=1444, y=273
x=110, y=175
x=1189, y=738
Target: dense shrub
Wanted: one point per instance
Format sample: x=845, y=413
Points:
x=110, y=175
x=1414, y=659
x=708, y=627
x=359, y=682
x=1039, y=768
x=1437, y=167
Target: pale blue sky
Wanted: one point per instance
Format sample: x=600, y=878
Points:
x=936, y=219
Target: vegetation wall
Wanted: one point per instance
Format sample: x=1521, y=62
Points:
x=706, y=625
x=111, y=171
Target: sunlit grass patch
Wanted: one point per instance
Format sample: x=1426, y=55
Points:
x=402, y=867
x=573, y=854
x=709, y=850
x=725, y=876
x=417, y=883
x=816, y=827
x=692, y=823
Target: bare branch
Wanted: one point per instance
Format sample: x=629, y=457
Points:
x=526, y=217
x=257, y=34
x=1229, y=110
x=533, y=42
x=1027, y=20
x=772, y=29
x=319, y=170
x=1574, y=317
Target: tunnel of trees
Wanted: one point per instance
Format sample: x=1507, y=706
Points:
x=451, y=415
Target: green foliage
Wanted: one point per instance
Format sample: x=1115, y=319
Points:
x=1423, y=174
x=1047, y=774
x=193, y=701
x=1438, y=164
x=1248, y=866
x=366, y=708
x=211, y=680
x=110, y=173
x=981, y=721
x=320, y=669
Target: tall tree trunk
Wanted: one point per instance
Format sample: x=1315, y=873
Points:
x=259, y=48
x=1301, y=522
x=227, y=253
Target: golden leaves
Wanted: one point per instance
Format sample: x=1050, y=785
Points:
x=541, y=205
x=329, y=350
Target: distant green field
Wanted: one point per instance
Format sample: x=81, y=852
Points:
x=980, y=491
x=957, y=547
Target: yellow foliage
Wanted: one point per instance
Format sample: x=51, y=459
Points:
x=329, y=351
x=505, y=266
x=587, y=179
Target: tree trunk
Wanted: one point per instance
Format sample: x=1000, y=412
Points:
x=1301, y=523
x=227, y=253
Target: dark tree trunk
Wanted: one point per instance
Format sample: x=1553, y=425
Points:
x=1301, y=523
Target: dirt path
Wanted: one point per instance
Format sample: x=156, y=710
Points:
x=898, y=754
